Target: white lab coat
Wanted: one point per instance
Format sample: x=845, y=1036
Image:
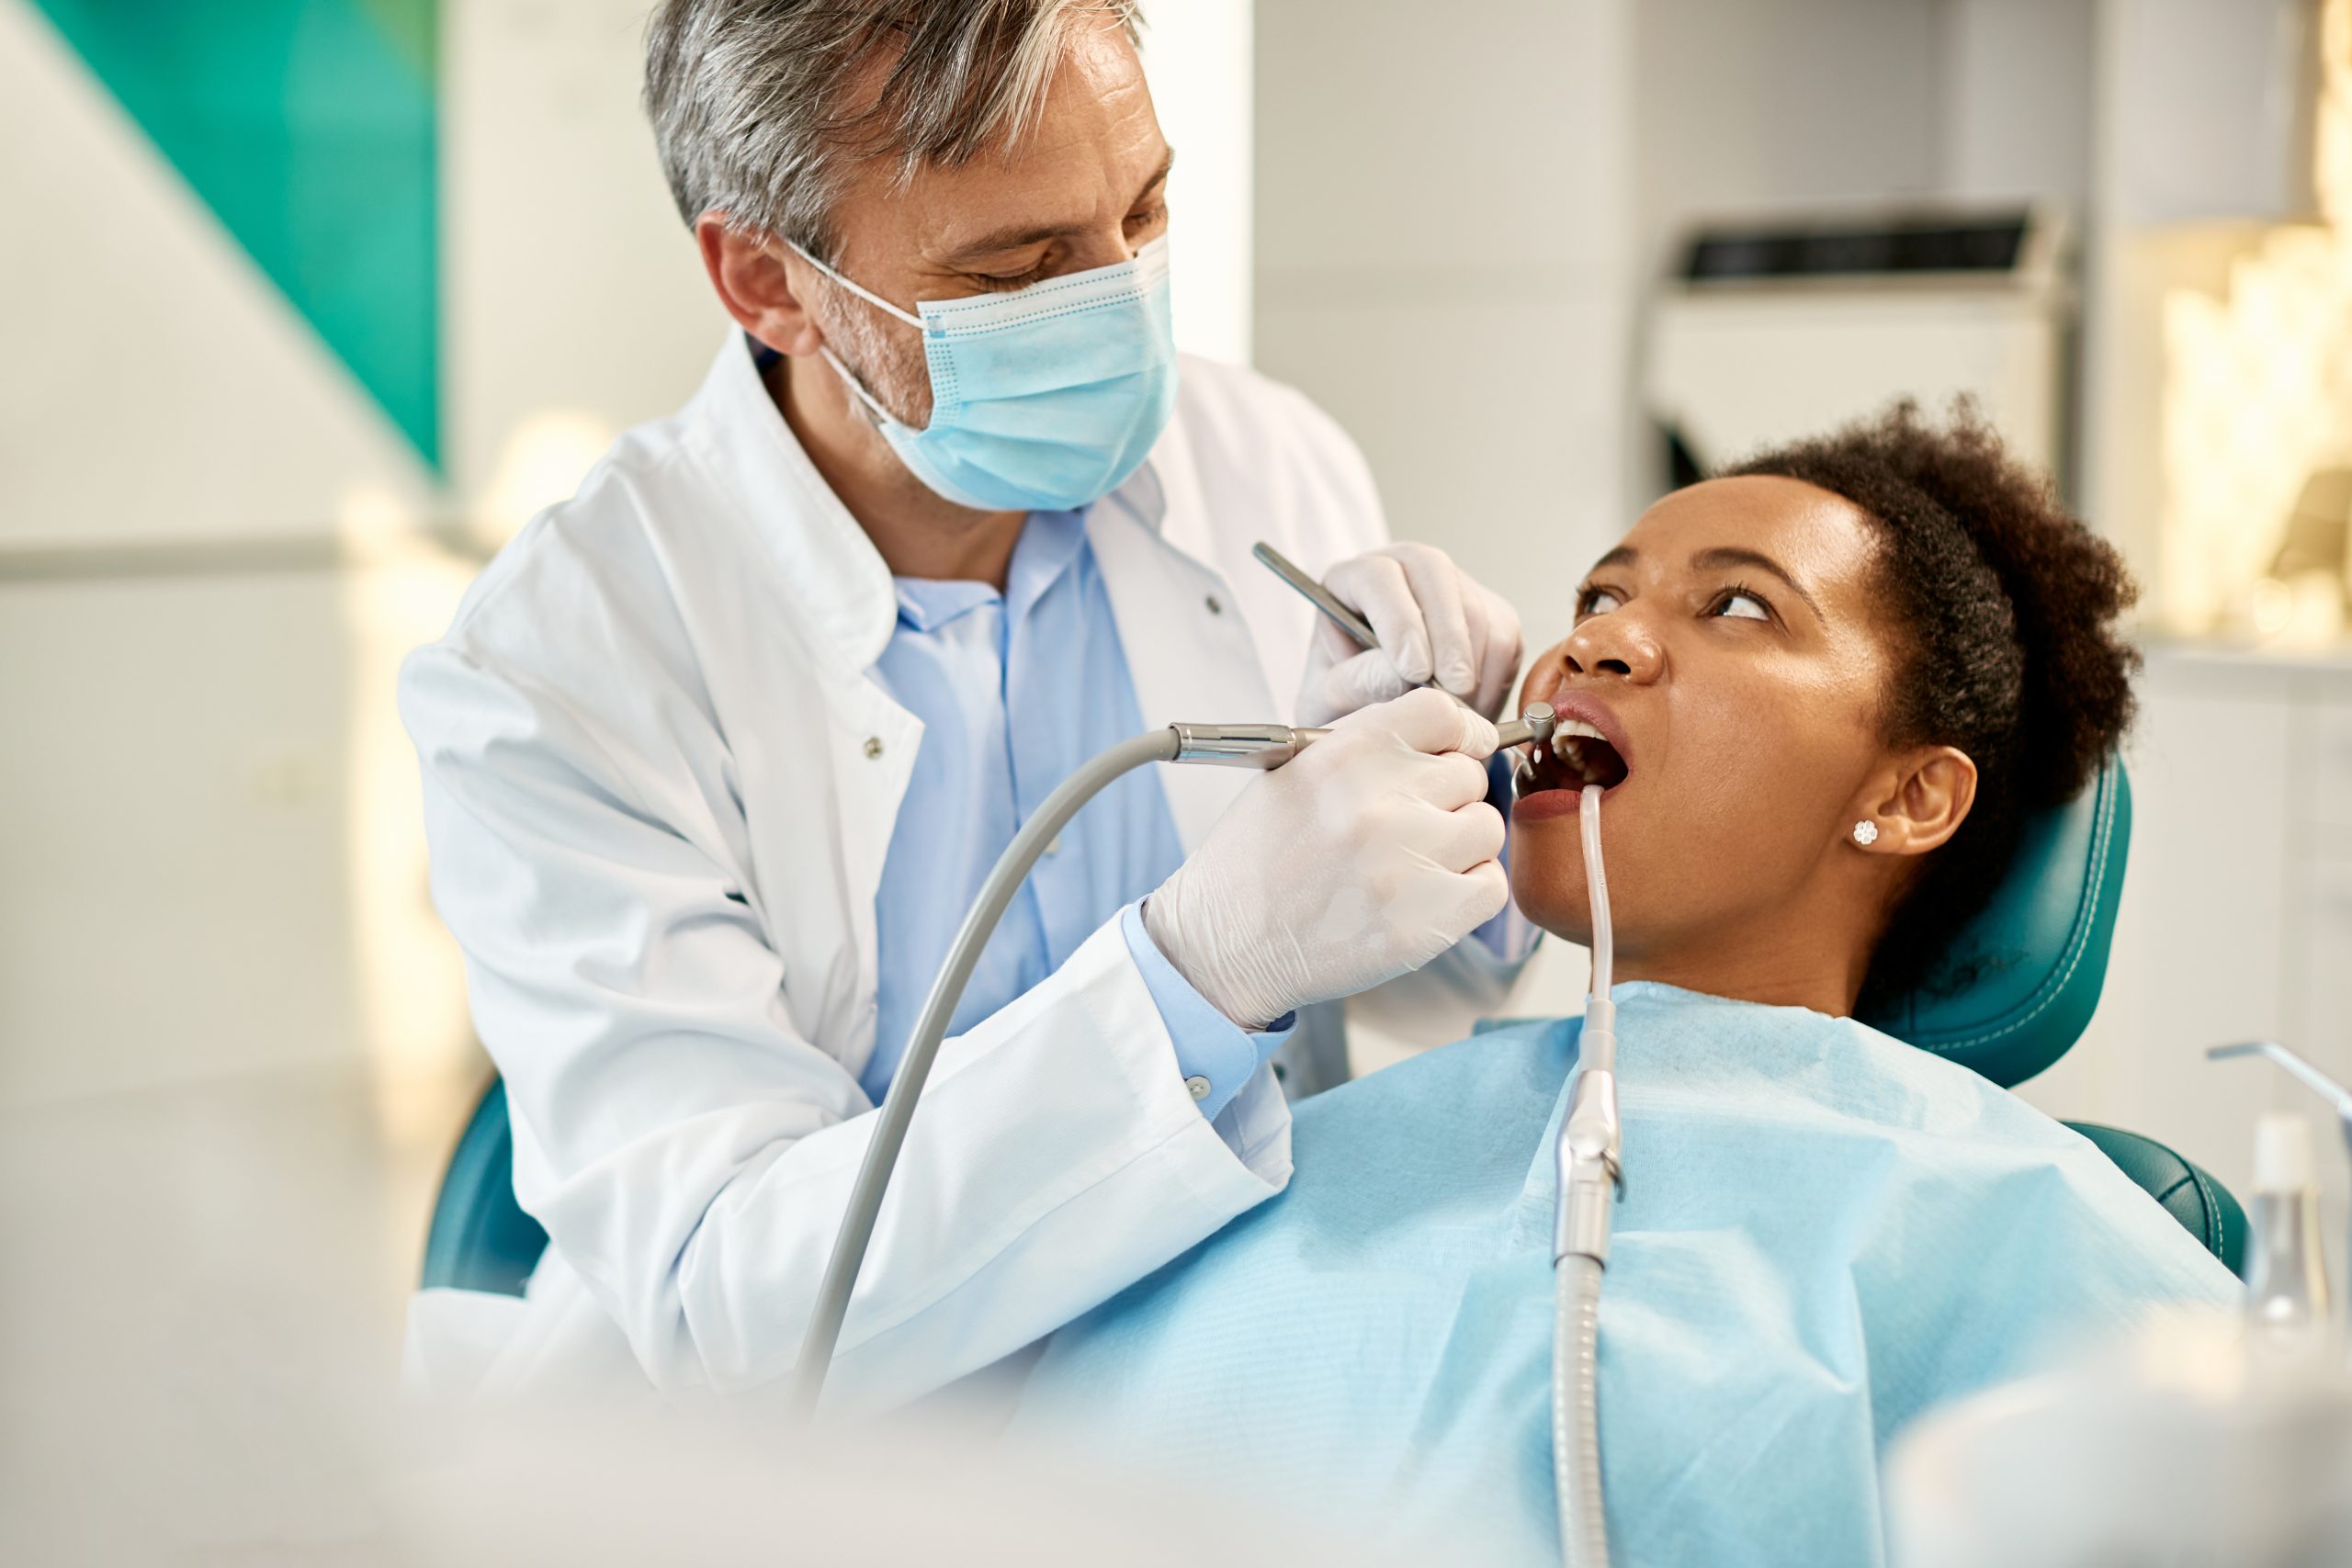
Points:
x=660, y=782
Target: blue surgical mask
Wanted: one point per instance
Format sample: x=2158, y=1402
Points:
x=1042, y=399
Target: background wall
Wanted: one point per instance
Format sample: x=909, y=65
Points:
x=1441, y=260
x=215, y=548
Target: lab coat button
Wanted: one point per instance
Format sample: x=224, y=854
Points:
x=1216, y=608
x=1199, y=1086
x=872, y=746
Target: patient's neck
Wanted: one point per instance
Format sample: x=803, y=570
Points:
x=1789, y=962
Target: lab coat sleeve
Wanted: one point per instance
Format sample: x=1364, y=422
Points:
x=691, y=1154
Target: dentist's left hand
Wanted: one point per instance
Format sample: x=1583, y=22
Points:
x=1433, y=622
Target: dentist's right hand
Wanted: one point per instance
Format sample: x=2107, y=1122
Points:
x=1366, y=856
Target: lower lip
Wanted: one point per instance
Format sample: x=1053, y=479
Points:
x=1547, y=804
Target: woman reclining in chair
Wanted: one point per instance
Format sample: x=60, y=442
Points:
x=1829, y=689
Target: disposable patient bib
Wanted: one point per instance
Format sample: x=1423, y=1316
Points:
x=1042, y=400
x=1823, y=1233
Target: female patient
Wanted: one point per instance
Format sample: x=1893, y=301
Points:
x=1829, y=688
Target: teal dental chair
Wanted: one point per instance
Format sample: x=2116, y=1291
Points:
x=2038, y=955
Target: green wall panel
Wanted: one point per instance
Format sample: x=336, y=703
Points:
x=309, y=128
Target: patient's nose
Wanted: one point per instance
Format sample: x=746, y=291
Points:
x=1614, y=644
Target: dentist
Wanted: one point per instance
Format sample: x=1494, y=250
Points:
x=717, y=752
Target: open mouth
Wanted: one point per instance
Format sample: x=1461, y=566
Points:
x=1578, y=755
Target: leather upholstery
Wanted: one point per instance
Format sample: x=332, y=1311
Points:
x=2019, y=985
x=2201, y=1204
x=481, y=1239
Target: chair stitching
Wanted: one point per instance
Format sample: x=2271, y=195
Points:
x=2212, y=1212
x=2165, y=1196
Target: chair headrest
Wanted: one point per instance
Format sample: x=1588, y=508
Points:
x=2039, y=949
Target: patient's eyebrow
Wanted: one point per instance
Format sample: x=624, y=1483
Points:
x=1730, y=555
x=1623, y=555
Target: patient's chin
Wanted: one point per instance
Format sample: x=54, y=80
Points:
x=1551, y=896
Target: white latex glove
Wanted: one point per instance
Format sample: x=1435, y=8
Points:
x=1431, y=621
x=1366, y=856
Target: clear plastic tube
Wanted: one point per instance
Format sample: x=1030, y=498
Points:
x=1600, y=1016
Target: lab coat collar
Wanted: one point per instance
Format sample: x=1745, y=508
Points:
x=825, y=559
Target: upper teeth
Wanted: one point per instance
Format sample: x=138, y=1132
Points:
x=1579, y=728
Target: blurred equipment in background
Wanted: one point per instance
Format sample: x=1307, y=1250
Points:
x=2162, y=1454
x=2307, y=594
x=1769, y=330
x=2202, y=1442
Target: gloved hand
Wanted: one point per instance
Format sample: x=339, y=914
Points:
x=1431, y=619
x=1366, y=856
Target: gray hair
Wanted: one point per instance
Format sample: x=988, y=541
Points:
x=746, y=95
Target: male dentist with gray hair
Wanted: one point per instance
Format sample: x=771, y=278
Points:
x=717, y=752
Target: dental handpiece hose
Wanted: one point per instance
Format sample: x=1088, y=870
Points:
x=1588, y=1159
x=1263, y=746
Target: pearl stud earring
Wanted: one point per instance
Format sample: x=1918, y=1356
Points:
x=1866, y=832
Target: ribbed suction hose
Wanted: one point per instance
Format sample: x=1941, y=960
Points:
x=1576, y=1413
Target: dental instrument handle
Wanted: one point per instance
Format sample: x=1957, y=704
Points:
x=1334, y=611
x=1322, y=598
x=930, y=1028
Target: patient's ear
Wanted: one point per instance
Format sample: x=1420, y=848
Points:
x=1919, y=803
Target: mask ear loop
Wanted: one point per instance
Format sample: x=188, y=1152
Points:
x=880, y=417
x=883, y=418
x=866, y=294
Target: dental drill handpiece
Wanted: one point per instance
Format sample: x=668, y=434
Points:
x=1272, y=745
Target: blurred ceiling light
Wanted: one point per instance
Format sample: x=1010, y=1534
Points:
x=541, y=463
x=2258, y=398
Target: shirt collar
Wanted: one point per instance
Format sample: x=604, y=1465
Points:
x=1046, y=552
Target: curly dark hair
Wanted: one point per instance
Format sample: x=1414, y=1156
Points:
x=2005, y=607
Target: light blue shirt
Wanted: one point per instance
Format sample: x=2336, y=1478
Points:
x=1014, y=691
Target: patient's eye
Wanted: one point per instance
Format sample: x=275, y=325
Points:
x=1592, y=600
x=1740, y=605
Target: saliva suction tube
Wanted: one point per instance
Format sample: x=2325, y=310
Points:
x=1587, y=1158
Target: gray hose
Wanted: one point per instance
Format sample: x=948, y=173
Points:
x=1576, y=1413
x=930, y=1028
